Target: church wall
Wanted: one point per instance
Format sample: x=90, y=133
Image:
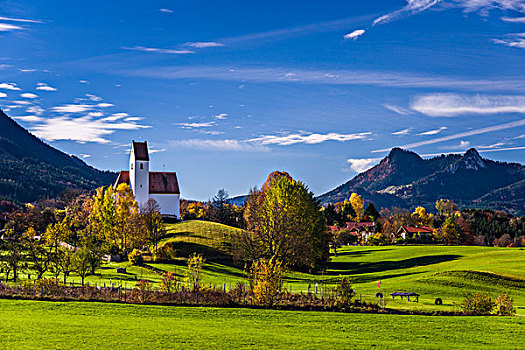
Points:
x=169, y=203
x=140, y=185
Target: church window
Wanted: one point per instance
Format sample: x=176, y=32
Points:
x=131, y=166
x=141, y=166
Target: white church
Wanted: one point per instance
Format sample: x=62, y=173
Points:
x=161, y=186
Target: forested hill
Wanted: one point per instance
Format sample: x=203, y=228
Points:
x=31, y=169
x=404, y=179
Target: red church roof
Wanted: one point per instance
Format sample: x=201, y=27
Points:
x=159, y=182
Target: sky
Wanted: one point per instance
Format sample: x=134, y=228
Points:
x=226, y=92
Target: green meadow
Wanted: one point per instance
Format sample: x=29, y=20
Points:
x=38, y=324
x=445, y=272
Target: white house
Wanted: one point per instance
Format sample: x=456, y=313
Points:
x=161, y=186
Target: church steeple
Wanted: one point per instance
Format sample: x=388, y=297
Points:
x=139, y=171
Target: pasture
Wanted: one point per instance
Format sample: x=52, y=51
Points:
x=39, y=324
x=444, y=272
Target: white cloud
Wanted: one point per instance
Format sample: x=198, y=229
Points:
x=159, y=50
x=28, y=95
x=2, y=94
x=116, y=116
x=402, y=132
x=83, y=155
x=45, y=87
x=105, y=105
x=95, y=114
x=484, y=6
x=72, y=108
x=433, y=132
x=514, y=40
x=19, y=20
x=196, y=125
x=329, y=77
x=513, y=19
x=204, y=44
x=37, y=110
x=83, y=129
x=308, y=138
x=24, y=103
x=4, y=27
x=449, y=105
x=360, y=165
x=94, y=98
x=411, y=8
x=83, y=82
x=355, y=34
x=221, y=116
x=29, y=118
x=9, y=86
x=166, y=10
x=133, y=119
x=220, y=145
x=464, y=144
x=489, y=129
x=397, y=109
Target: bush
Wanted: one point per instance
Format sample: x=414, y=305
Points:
x=136, y=258
x=266, y=280
x=165, y=253
x=194, y=272
x=477, y=304
x=344, y=289
x=169, y=282
x=505, y=305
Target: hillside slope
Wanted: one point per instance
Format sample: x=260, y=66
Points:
x=31, y=169
x=406, y=180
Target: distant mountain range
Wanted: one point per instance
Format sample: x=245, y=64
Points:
x=404, y=179
x=31, y=169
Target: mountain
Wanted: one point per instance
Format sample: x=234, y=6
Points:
x=404, y=179
x=31, y=169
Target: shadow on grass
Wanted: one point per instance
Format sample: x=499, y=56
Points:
x=361, y=252
x=336, y=268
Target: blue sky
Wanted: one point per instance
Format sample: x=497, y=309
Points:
x=226, y=92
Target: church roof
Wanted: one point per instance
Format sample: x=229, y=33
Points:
x=163, y=182
x=159, y=182
x=140, y=149
x=123, y=178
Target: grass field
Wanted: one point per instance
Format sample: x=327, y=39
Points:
x=433, y=271
x=37, y=324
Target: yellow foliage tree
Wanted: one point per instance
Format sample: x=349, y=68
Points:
x=422, y=216
x=358, y=204
x=266, y=280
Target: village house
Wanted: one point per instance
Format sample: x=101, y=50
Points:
x=163, y=187
x=414, y=231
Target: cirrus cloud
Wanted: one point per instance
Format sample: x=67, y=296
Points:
x=355, y=34
x=450, y=105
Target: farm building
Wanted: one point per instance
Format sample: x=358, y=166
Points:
x=414, y=231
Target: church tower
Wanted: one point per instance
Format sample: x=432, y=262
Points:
x=139, y=171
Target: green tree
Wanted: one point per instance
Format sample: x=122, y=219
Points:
x=81, y=263
x=371, y=212
x=284, y=222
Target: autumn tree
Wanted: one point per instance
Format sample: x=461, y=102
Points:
x=284, y=222
x=358, y=204
x=127, y=211
x=266, y=280
x=65, y=262
x=423, y=218
x=446, y=207
x=152, y=222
